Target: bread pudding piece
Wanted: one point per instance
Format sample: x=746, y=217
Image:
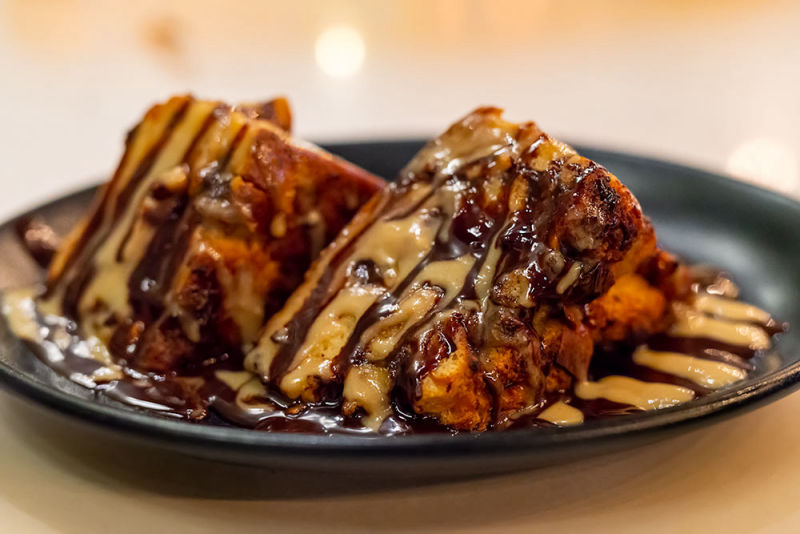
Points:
x=208, y=224
x=639, y=304
x=464, y=292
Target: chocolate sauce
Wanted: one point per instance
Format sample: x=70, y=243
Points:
x=488, y=253
x=202, y=397
x=537, y=232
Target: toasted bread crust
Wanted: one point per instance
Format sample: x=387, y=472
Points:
x=210, y=221
x=516, y=234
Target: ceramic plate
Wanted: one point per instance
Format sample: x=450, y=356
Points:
x=703, y=217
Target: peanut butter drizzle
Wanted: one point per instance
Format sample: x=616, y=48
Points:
x=72, y=267
x=408, y=261
x=625, y=390
x=389, y=256
x=433, y=263
x=692, y=323
x=366, y=393
x=326, y=337
x=707, y=373
x=123, y=249
x=381, y=338
x=728, y=308
x=19, y=310
x=85, y=361
x=561, y=414
x=234, y=379
x=367, y=387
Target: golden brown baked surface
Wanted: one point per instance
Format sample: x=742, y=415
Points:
x=207, y=225
x=503, y=281
x=472, y=287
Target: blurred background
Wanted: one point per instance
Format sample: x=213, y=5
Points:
x=712, y=84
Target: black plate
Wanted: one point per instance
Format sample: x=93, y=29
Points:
x=701, y=216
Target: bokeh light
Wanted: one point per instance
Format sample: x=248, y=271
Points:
x=340, y=51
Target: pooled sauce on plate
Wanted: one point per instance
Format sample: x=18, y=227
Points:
x=469, y=294
x=711, y=345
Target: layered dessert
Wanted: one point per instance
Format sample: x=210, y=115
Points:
x=475, y=288
x=501, y=281
x=208, y=224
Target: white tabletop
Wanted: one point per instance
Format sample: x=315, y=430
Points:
x=712, y=84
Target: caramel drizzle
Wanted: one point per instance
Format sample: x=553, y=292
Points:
x=427, y=197
x=76, y=270
x=281, y=357
x=703, y=372
x=626, y=390
x=161, y=245
x=88, y=363
x=483, y=264
x=561, y=414
x=171, y=242
x=706, y=373
x=441, y=251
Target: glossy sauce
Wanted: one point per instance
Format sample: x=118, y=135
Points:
x=624, y=380
x=468, y=234
x=472, y=232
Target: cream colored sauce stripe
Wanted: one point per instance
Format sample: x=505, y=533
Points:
x=20, y=312
x=706, y=373
x=692, y=324
x=109, y=285
x=625, y=390
x=234, y=379
x=727, y=308
x=561, y=414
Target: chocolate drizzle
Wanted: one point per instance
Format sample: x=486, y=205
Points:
x=462, y=297
x=545, y=231
x=78, y=270
x=203, y=397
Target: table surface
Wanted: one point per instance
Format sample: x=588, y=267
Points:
x=713, y=84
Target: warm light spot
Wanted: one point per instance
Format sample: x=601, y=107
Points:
x=340, y=51
x=766, y=162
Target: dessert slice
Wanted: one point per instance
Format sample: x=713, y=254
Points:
x=460, y=293
x=208, y=224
